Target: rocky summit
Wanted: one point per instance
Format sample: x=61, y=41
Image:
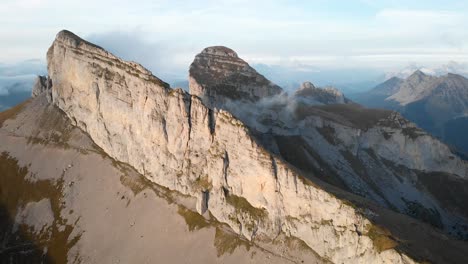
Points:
x=312, y=95
x=342, y=183
x=218, y=74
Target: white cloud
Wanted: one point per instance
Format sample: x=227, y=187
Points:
x=261, y=31
x=425, y=17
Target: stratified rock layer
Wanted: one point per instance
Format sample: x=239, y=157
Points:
x=234, y=78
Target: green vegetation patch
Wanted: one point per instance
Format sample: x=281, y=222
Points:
x=381, y=238
x=193, y=220
x=16, y=192
x=12, y=112
x=203, y=183
x=133, y=183
x=346, y=114
x=355, y=162
x=227, y=242
x=328, y=132
x=243, y=206
x=428, y=215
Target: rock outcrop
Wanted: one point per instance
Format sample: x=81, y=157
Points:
x=173, y=139
x=42, y=84
x=309, y=94
x=234, y=78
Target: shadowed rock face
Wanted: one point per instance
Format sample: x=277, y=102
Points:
x=173, y=139
x=217, y=74
x=42, y=85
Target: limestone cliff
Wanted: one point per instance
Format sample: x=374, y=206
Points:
x=173, y=139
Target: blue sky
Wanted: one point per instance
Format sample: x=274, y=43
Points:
x=165, y=35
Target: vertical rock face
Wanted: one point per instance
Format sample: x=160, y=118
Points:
x=218, y=74
x=173, y=139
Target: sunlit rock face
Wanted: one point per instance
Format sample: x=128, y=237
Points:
x=175, y=140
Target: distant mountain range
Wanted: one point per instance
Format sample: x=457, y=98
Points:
x=450, y=67
x=346, y=80
x=438, y=104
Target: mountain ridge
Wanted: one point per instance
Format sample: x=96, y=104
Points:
x=213, y=156
x=436, y=104
x=326, y=95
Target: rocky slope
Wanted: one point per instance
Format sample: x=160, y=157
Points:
x=174, y=140
x=436, y=104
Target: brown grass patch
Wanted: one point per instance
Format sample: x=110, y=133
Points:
x=193, y=220
x=12, y=112
x=227, y=242
x=381, y=238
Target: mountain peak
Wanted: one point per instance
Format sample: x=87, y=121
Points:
x=217, y=74
x=74, y=40
x=220, y=51
x=307, y=85
x=313, y=95
x=417, y=75
x=65, y=34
